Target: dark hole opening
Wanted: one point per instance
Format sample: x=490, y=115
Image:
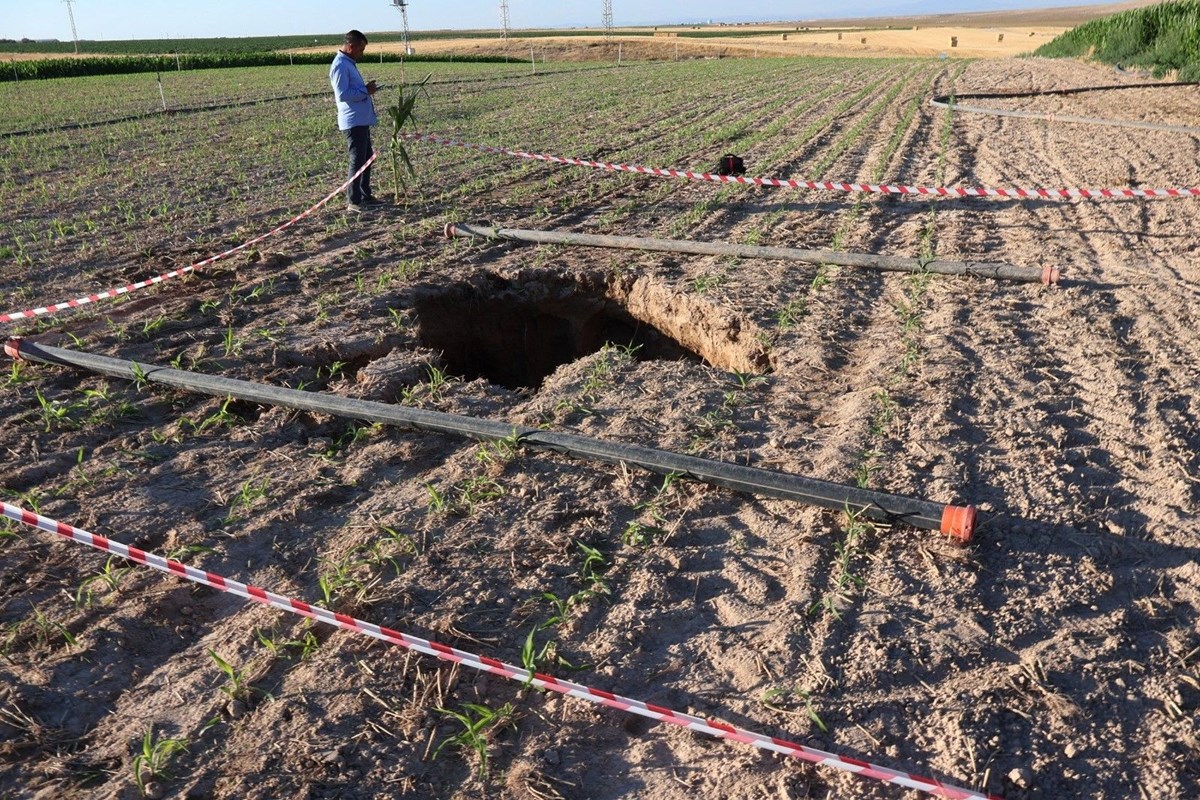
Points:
x=515, y=341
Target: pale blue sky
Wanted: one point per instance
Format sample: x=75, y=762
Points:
x=177, y=19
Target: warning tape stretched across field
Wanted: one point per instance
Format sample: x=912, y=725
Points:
x=711, y=727
x=791, y=183
x=175, y=273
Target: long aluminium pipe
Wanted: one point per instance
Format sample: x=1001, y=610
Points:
x=954, y=103
x=957, y=522
x=984, y=269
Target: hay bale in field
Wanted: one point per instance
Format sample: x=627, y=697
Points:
x=839, y=37
x=863, y=40
x=954, y=41
x=999, y=37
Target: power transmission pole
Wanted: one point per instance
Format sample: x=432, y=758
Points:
x=403, y=6
x=608, y=23
x=74, y=33
x=504, y=20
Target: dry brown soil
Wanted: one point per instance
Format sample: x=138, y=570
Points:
x=1057, y=656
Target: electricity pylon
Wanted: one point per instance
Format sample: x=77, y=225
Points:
x=74, y=33
x=403, y=6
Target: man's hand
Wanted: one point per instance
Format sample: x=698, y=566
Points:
x=371, y=87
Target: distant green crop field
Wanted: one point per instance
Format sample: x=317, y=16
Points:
x=267, y=44
x=125, y=65
x=1165, y=37
x=250, y=44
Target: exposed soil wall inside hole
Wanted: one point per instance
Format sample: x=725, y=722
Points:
x=516, y=332
x=723, y=338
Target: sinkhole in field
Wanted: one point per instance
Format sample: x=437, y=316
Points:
x=516, y=332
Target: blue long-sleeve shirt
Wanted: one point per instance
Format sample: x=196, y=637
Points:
x=354, y=105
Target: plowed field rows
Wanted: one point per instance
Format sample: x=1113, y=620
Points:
x=1056, y=656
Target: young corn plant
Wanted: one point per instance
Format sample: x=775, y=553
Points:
x=352, y=580
x=56, y=413
x=46, y=628
x=276, y=644
x=780, y=699
x=110, y=577
x=400, y=115
x=245, y=498
x=642, y=533
x=238, y=687
x=151, y=763
x=844, y=582
x=479, y=723
x=533, y=658
x=475, y=491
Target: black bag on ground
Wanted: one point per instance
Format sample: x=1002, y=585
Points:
x=731, y=165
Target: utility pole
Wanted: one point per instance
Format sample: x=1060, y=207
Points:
x=504, y=21
x=74, y=33
x=403, y=6
x=608, y=23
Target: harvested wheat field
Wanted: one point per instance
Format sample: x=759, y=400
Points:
x=1055, y=655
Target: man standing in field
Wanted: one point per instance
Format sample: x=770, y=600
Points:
x=356, y=115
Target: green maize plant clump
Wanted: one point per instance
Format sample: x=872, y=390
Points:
x=400, y=114
x=1165, y=38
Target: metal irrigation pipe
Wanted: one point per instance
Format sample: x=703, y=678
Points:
x=953, y=102
x=957, y=522
x=1047, y=275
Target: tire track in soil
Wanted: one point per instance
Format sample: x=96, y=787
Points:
x=781, y=154
x=730, y=217
x=819, y=226
x=531, y=174
x=630, y=187
x=806, y=558
x=1116, y=389
x=659, y=128
x=877, y=633
x=625, y=183
x=1149, y=314
x=659, y=194
x=987, y=335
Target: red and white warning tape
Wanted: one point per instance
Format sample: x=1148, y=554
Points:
x=790, y=183
x=708, y=726
x=175, y=273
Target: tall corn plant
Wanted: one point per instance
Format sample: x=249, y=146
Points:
x=400, y=114
x=1165, y=37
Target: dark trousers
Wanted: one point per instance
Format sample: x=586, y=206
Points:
x=358, y=141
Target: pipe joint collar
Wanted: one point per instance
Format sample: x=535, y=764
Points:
x=958, y=522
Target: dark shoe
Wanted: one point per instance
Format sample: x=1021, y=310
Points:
x=357, y=208
x=374, y=202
